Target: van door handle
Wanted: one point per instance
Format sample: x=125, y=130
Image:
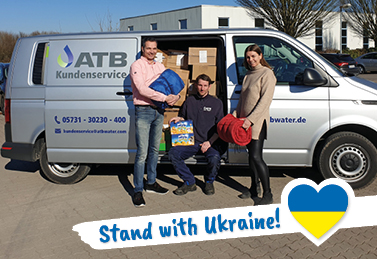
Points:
x=238, y=91
x=124, y=93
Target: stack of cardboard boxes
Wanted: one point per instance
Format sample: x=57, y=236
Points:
x=203, y=61
x=194, y=62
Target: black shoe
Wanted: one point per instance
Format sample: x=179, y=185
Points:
x=245, y=195
x=138, y=199
x=209, y=189
x=185, y=189
x=250, y=193
x=156, y=188
x=266, y=199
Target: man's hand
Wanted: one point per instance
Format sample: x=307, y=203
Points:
x=205, y=146
x=171, y=99
x=176, y=119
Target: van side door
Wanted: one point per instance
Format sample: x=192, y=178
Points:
x=86, y=121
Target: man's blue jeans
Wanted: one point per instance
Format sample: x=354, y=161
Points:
x=148, y=127
x=178, y=154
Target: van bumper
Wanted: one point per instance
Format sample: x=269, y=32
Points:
x=19, y=151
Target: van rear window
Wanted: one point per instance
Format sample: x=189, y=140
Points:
x=38, y=64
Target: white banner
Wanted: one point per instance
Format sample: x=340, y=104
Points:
x=247, y=221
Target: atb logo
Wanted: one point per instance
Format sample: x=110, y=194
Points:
x=95, y=59
x=69, y=56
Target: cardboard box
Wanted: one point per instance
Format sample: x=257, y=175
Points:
x=162, y=57
x=202, y=56
x=169, y=113
x=203, y=69
x=214, y=90
x=184, y=75
x=177, y=59
x=183, y=95
x=182, y=133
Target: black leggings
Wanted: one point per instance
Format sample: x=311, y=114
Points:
x=257, y=165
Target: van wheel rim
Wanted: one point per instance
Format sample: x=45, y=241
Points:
x=349, y=162
x=64, y=170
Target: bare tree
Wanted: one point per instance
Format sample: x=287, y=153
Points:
x=105, y=23
x=7, y=42
x=361, y=16
x=294, y=17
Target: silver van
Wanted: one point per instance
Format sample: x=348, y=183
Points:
x=69, y=103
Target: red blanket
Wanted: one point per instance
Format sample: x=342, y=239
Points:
x=230, y=130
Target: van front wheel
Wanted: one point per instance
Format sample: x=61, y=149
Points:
x=62, y=173
x=350, y=157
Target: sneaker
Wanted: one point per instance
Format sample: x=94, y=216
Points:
x=156, y=188
x=209, y=189
x=266, y=199
x=185, y=189
x=138, y=199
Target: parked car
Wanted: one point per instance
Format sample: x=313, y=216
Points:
x=367, y=62
x=3, y=79
x=344, y=62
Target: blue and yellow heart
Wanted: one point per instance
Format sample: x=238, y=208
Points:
x=319, y=211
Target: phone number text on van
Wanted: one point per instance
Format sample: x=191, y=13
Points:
x=68, y=119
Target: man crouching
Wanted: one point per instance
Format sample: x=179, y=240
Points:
x=205, y=111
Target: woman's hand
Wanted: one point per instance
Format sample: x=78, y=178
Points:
x=246, y=124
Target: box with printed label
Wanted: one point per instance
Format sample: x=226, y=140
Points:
x=182, y=133
x=177, y=59
x=202, y=56
x=162, y=57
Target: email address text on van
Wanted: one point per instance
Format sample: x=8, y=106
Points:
x=90, y=131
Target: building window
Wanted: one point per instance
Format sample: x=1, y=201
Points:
x=183, y=24
x=259, y=23
x=130, y=28
x=223, y=22
x=365, y=41
x=318, y=36
x=154, y=26
x=344, y=35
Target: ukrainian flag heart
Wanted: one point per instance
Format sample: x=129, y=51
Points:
x=319, y=211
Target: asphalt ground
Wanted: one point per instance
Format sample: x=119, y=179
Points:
x=37, y=216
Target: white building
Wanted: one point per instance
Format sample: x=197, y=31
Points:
x=326, y=35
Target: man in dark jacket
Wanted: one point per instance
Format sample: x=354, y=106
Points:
x=205, y=111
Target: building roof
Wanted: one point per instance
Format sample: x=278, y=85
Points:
x=175, y=10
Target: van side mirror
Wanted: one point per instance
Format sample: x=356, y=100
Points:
x=312, y=77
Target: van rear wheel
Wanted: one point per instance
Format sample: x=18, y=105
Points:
x=350, y=157
x=62, y=173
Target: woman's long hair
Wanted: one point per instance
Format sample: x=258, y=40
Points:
x=256, y=48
